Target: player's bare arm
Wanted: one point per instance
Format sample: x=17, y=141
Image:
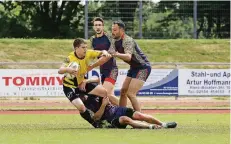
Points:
x=63, y=69
x=85, y=81
x=105, y=56
x=105, y=53
x=126, y=57
x=82, y=85
x=98, y=115
x=128, y=45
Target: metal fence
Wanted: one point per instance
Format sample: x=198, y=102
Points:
x=147, y=18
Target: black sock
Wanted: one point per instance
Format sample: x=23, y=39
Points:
x=88, y=117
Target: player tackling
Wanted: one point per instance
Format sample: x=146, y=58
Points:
x=76, y=86
x=125, y=48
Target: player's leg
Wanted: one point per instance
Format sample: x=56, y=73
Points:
x=124, y=120
x=84, y=112
x=152, y=120
x=73, y=95
x=110, y=91
x=123, y=92
x=139, y=76
x=109, y=78
x=79, y=105
x=145, y=117
x=134, y=86
x=123, y=117
x=96, y=89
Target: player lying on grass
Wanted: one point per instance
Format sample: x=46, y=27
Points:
x=120, y=117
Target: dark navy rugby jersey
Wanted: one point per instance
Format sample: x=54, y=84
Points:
x=128, y=45
x=94, y=102
x=103, y=43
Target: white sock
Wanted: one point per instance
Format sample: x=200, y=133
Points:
x=164, y=125
x=151, y=126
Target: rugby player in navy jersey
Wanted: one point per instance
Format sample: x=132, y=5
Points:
x=120, y=117
x=109, y=71
x=125, y=48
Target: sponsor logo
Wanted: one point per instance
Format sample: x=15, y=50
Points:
x=32, y=81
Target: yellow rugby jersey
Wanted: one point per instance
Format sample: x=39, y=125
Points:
x=83, y=65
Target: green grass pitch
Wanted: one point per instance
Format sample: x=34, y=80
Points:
x=72, y=129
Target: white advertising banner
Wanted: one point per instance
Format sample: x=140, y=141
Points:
x=160, y=82
x=30, y=82
x=172, y=82
x=47, y=82
x=204, y=82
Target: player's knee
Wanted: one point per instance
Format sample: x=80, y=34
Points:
x=123, y=91
x=137, y=115
x=99, y=91
x=105, y=92
x=110, y=96
x=79, y=104
x=82, y=108
x=131, y=95
x=124, y=120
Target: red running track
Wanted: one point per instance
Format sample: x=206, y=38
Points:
x=168, y=111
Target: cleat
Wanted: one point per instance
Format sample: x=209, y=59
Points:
x=97, y=124
x=171, y=125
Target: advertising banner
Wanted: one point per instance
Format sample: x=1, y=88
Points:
x=30, y=82
x=204, y=82
x=47, y=82
x=161, y=82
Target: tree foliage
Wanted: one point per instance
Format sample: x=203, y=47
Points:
x=65, y=19
x=213, y=17
x=47, y=19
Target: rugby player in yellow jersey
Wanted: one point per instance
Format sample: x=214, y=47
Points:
x=79, y=86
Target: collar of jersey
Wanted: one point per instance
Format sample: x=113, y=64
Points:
x=122, y=37
x=78, y=57
x=101, y=36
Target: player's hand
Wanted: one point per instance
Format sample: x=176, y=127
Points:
x=105, y=101
x=71, y=71
x=82, y=85
x=105, y=53
x=115, y=54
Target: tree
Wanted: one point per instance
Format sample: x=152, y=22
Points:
x=49, y=19
x=11, y=23
x=154, y=28
x=213, y=16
